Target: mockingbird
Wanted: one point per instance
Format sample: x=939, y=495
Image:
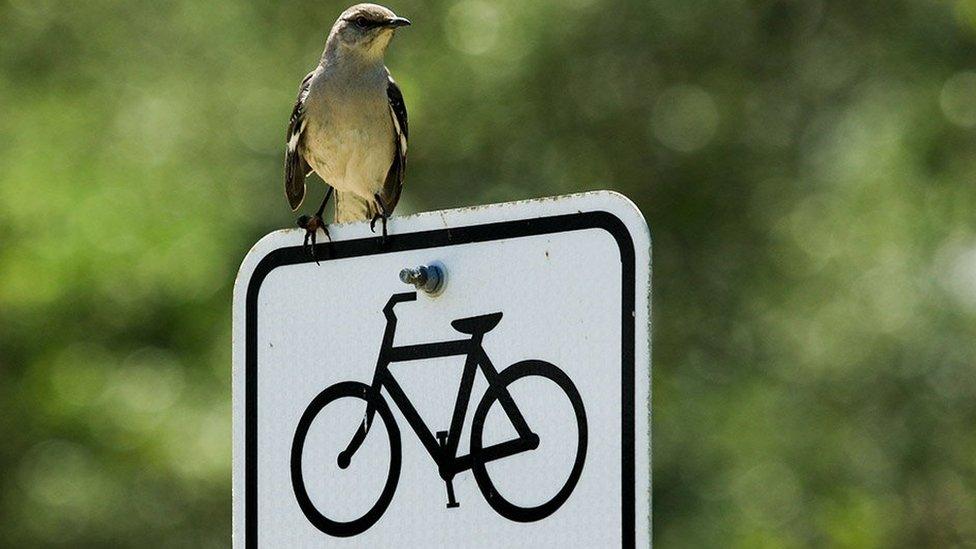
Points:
x=349, y=124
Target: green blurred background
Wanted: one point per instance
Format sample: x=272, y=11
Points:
x=808, y=168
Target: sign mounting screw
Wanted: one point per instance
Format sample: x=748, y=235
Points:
x=428, y=278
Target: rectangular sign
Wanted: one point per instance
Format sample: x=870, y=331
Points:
x=509, y=407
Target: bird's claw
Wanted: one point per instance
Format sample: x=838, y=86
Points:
x=312, y=224
x=372, y=226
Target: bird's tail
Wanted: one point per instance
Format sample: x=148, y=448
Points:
x=351, y=207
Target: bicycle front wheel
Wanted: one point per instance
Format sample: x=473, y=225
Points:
x=541, y=392
x=335, y=416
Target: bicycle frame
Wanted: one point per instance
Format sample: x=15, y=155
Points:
x=445, y=456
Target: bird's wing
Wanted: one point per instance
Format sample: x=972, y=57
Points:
x=394, y=178
x=295, y=166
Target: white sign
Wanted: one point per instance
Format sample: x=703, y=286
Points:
x=511, y=409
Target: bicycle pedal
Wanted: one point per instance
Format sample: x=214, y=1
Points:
x=449, y=482
x=451, y=502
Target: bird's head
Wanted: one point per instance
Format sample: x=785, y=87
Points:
x=367, y=29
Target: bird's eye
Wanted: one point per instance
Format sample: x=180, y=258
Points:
x=362, y=22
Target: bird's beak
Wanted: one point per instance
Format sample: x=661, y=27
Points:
x=398, y=22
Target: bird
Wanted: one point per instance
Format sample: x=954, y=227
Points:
x=349, y=124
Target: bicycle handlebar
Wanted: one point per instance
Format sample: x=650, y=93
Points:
x=394, y=299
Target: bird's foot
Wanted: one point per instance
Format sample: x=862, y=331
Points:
x=372, y=226
x=312, y=224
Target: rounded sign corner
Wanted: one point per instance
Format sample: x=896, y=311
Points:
x=627, y=211
x=261, y=249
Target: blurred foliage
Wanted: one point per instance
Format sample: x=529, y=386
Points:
x=808, y=168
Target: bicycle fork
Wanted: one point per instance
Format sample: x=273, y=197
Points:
x=345, y=456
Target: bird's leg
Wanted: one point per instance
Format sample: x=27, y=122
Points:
x=312, y=224
x=381, y=215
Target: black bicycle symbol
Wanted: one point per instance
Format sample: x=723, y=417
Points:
x=444, y=448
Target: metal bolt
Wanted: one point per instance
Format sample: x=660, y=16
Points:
x=428, y=278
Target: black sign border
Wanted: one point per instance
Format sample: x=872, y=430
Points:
x=438, y=238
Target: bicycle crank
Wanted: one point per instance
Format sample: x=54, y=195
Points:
x=451, y=502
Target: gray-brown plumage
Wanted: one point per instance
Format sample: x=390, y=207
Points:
x=349, y=123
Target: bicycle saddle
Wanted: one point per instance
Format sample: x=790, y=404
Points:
x=477, y=324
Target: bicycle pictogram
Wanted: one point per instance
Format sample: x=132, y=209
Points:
x=442, y=448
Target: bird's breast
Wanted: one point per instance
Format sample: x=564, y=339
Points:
x=350, y=144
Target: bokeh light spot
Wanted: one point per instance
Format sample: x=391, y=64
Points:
x=956, y=268
x=958, y=99
x=473, y=26
x=685, y=118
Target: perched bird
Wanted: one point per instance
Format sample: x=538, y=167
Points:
x=349, y=124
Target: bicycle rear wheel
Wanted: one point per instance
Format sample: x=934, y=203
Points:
x=506, y=505
x=346, y=390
